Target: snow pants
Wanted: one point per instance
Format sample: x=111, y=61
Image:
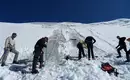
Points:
x=90, y=50
x=38, y=56
x=120, y=48
x=6, y=52
x=81, y=50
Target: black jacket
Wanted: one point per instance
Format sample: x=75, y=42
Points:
x=122, y=41
x=90, y=40
x=40, y=44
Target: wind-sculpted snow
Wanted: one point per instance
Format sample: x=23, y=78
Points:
x=52, y=54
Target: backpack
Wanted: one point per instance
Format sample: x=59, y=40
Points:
x=108, y=68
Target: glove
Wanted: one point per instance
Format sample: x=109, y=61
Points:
x=7, y=49
x=42, y=52
x=12, y=48
x=45, y=46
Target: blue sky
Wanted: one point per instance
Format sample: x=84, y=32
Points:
x=85, y=11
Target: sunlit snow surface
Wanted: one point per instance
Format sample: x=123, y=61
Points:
x=60, y=44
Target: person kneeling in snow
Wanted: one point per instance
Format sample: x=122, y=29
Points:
x=10, y=47
x=38, y=53
x=81, y=45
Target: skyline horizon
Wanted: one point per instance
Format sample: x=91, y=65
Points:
x=68, y=22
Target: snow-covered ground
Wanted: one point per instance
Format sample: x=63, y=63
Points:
x=60, y=44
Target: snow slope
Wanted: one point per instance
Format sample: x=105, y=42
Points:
x=60, y=44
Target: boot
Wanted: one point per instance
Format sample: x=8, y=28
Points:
x=67, y=57
x=127, y=61
x=15, y=62
x=41, y=65
x=79, y=58
x=35, y=71
x=3, y=64
x=118, y=57
x=93, y=58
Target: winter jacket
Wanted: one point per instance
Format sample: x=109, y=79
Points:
x=10, y=43
x=90, y=40
x=83, y=44
x=122, y=41
x=40, y=44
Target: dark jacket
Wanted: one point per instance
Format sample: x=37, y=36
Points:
x=40, y=44
x=90, y=40
x=122, y=41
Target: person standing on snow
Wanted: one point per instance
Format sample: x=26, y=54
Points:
x=38, y=53
x=90, y=41
x=128, y=52
x=10, y=47
x=121, y=45
x=81, y=45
